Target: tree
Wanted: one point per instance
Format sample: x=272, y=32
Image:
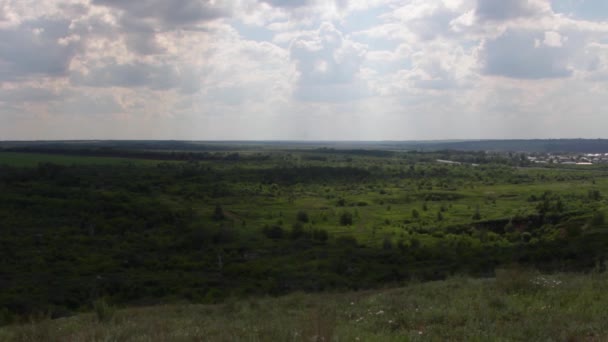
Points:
x=274, y=232
x=387, y=244
x=218, y=213
x=598, y=219
x=415, y=214
x=302, y=216
x=477, y=215
x=346, y=219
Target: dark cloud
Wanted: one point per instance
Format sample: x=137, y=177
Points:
x=522, y=54
x=138, y=75
x=499, y=10
x=27, y=95
x=36, y=48
x=170, y=14
x=141, y=20
x=288, y=3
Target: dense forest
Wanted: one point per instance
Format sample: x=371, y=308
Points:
x=152, y=226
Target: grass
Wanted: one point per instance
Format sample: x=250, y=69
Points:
x=517, y=305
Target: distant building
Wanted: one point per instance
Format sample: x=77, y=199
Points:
x=448, y=162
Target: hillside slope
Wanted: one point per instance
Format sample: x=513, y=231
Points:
x=516, y=306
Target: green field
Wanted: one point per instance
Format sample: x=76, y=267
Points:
x=516, y=306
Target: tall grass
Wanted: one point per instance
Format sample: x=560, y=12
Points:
x=518, y=305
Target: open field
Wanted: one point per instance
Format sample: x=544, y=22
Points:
x=518, y=305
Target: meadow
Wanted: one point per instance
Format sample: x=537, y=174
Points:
x=233, y=226
x=518, y=305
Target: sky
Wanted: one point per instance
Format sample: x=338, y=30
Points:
x=303, y=69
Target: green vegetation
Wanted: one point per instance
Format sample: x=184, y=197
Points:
x=226, y=225
x=518, y=305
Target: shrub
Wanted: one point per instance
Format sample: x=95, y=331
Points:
x=346, y=219
x=274, y=232
x=415, y=214
x=302, y=216
x=476, y=215
x=297, y=231
x=387, y=244
x=103, y=311
x=320, y=235
x=598, y=218
x=218, y=213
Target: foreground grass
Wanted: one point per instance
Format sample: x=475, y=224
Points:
x=516, y=306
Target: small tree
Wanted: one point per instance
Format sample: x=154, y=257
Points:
x=415, y=214
x=302, y=216
x=477, y=214
x=320, y=235
x=598, y=219
x=387, y=244
x=346, y=219
x=218, y=213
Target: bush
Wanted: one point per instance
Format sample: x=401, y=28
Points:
x=476, y=215
x=302, y=216
x=274, y=232
x=218, y=213
x=297, y=231
x=103, y=311
x=598, y=219
x=415, y=214
x=387, y=244
x=320, y=235
x=346, y=219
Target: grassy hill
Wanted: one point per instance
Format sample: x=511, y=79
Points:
x=517, y=305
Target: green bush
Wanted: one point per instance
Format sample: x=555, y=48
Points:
x=346, y=219
x=103, y=311
x=302, y=216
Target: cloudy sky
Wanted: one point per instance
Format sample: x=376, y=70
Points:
x=303, y=69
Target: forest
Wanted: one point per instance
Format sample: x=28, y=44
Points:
x=150, y=226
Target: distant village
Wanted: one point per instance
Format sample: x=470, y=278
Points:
x=539, y=159
x=569, y=159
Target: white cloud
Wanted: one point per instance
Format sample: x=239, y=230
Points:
x=203, y=69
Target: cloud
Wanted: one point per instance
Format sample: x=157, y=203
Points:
x=288, y=3
x=37, y=48
x=525, y=55
x=169, y=14
x=161, y=76
x=493, y=10
x=141, y=21
x=380, y=69
x=21, y=95
x=328, y=66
